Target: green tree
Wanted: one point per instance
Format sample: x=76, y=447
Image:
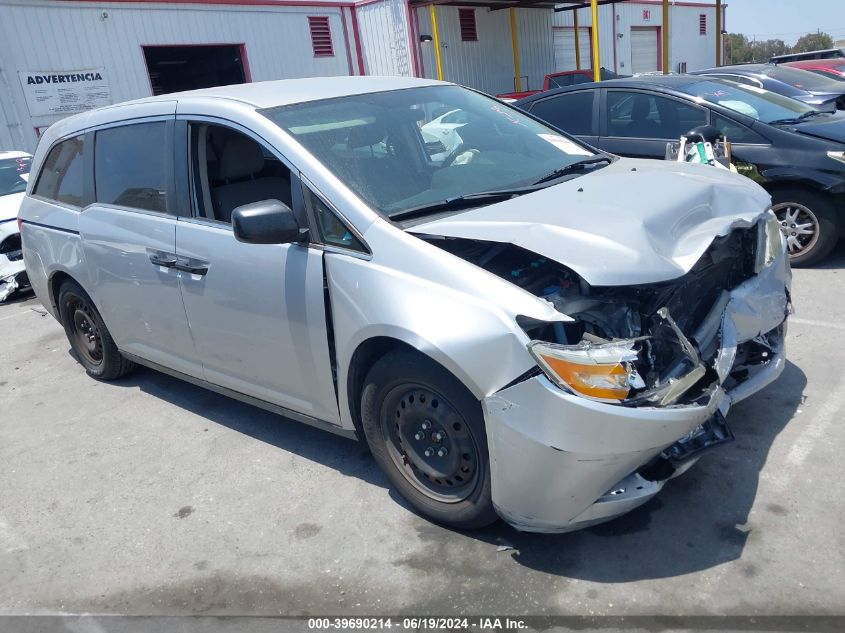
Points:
x=812, y=42
x=764, y=50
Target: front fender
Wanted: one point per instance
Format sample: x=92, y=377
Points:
x=459, y=315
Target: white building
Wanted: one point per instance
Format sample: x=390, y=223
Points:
x=63, y=56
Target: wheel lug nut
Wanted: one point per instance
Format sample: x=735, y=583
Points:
x=429, y=451
x=426, y=425
x=442, y=452
x=419, y=435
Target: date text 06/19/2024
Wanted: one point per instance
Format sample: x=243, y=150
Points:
x=416, y=624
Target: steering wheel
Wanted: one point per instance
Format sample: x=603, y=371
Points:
x=458, y=151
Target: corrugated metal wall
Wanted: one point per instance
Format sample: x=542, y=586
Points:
x=686, y=45
x=384, y=38
x=488, y=63
x=39, y=36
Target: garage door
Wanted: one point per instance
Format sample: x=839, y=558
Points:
x=565, y=48
x=644, y=49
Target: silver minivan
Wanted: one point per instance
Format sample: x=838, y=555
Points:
x=518, y=325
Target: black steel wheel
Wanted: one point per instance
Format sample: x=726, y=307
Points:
x=426, y=431
x=431, y=443
x=88, y=336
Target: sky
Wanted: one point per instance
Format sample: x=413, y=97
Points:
x=785, y=19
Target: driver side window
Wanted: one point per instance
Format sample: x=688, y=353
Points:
x=230, y=169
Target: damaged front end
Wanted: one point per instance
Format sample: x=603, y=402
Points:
x=635, y=386
x=13, y=276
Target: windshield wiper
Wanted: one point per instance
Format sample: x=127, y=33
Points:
x=460, y=202
x=572, y=167
x=488, y=197
x=807, y=115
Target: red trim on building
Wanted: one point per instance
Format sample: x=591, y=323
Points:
x=245, y=64
x=659, y=31
x=417, y=42
x=357, y=35
x=412, y=42
x=346, y=39
x=259, y=3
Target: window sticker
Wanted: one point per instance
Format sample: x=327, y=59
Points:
x=565, y=145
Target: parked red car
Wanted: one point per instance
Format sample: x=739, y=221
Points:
x=833, y=68
x=561, y=80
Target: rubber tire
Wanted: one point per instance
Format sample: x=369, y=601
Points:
x=114, y=365
x=399, y=367
x=822, y=208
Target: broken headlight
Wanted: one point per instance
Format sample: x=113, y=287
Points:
x=770, y=243
x=604, y=372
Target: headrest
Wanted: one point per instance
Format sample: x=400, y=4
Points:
x=641, y=108
x=241, y=157
x=366, y=135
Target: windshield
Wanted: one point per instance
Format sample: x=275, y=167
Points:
x=406, y=149
x=802, y=79
x=13, y=174
x=748, y=100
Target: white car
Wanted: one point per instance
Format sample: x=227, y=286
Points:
x=444, y=129
x=529, y=329
x=14, y=173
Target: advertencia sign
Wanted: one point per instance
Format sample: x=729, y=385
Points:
x=65, y=91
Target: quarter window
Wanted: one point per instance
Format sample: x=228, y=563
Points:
x=736, y=132
x=61, y=177
x=572, y=112
x=130, y=166
x=331, y=228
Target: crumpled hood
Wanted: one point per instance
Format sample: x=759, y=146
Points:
x=632, y=222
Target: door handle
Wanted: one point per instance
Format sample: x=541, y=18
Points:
x=193, y=268
x=163, y=259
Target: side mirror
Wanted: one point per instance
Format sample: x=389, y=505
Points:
x=267, y=222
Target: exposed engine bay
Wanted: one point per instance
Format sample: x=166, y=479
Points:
x=667, y=334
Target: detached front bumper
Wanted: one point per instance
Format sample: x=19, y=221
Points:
x=560, y=462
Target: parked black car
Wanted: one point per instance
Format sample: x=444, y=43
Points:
x=793, y=150
x=823, y=92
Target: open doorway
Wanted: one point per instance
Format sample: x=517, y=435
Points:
x=176, y=68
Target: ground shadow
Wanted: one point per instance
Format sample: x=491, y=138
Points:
x=344, y=455
x=698, y=521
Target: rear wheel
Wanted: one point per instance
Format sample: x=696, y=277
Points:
x=88, y=336
x=426, y=431
x=806, y=222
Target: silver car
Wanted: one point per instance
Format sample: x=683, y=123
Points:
x=520, y=326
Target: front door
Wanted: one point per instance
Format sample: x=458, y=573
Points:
x=256, y=311
x=129, y=238
x=638, y=124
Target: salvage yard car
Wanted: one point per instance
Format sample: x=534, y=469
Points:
x=524, y=328
x=14, y=172
x=796, y=152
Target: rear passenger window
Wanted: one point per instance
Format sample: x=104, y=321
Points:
x=61, y=178
x=130, y=166
x=642, y=115
x=571, y=112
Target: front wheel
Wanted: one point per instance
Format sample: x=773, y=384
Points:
x=426, y=432
x=88, y=336
x=806, y=222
